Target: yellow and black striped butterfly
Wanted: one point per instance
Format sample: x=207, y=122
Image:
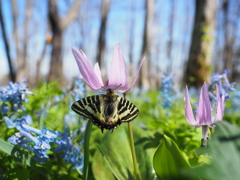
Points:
x=106, y=111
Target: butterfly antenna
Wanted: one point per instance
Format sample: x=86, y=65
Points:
x=117, y=87
x=112, y=130
x=102, y=129
x=103, y=88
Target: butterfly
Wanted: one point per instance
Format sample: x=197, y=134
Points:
x=106, y=111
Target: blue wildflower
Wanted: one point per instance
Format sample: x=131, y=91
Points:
x=223, y=83
x=4, y=108
x=28, y=135
x=12, y=123
x=76, y=91
x=71, y=152
x=167, y=91
x=14, y=94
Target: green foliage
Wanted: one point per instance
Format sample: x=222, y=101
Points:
x=224, y=150
x=116, y=149
x=112, y=160
x=169, y=160
x=46, y=111
x=43, y=100
x=20, y=156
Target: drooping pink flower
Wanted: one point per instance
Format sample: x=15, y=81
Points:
x=204, y=111
x=117, y=77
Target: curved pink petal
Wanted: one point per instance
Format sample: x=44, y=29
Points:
x=86, y=70
x=135, y=79
x=117, y=74
x=188, y=110
x=204, y=115
x=98, y=72
x=219, y=106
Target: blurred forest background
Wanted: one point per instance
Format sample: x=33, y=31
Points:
x=191, y=38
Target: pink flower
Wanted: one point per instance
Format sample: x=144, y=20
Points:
x=204, y=112
x=117, y=75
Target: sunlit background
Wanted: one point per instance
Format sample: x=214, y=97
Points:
x=29, y=33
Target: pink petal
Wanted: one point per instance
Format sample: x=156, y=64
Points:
x=204, y=115
x=130, y=87
x=98, y=72
x=219, y=106
x=188, y=109
x=86, y=70
x=117, y=74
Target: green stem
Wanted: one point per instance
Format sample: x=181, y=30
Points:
x=135, y=165
x=86, y=149
x=105, y=159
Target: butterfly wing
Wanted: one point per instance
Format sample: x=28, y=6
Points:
x=126, y=110
x=97, y=109
x=88, y=107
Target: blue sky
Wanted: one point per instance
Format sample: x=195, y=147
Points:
x=117, y=31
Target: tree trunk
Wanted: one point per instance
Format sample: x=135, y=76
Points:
x=200, y=56
x=170, y=41
x=58, y=25
x=39, y=62
x=229, y=38
x=131, y=41
x=12, y=74
x=143, y=77
x=101, y=47
x=23, y=68
x=56, y=54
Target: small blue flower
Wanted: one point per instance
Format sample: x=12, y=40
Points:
x=40, y=138
x=12, y=123
x=15, y=93
x=16, y=139
x=48, y=134
x=76, y=91
x=72, y=152
x=167, y=92
x=4, y=108
x=223, y=83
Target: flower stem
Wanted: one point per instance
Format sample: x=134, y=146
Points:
x=86, y=149
x=135, y=164
x=136, y=170
x=205, y=136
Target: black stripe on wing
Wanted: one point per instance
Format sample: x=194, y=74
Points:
x=126, y=110
x=87, y=107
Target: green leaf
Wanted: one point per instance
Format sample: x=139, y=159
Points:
x=12, y=150
x=224, y=150
x=105, y=159
x=21, y=156
x=116, y=149
x=86, y=149
x=168, y=160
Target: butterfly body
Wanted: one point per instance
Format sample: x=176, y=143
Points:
x=106, y=111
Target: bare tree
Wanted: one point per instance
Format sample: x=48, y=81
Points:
x=200, y=56
x=40, y=59
x=23, y=68
x=12, y=74
x=19, y=44
x=230, y=35
x=149, y=12
x=58, y=25
x=131, y=37
x=170, y=41
x=101, y=47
